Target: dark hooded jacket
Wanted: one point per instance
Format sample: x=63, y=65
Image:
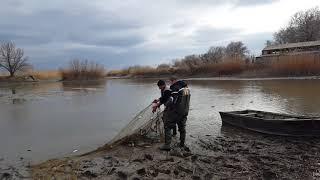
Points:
x=181, y=98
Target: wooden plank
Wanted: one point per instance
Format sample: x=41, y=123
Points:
x=248, y=114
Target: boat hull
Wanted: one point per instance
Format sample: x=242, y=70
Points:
x=289, y=126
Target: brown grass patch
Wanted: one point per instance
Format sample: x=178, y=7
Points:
x=46, y=75
x=296, y=65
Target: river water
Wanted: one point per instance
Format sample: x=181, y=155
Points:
x=39, y=121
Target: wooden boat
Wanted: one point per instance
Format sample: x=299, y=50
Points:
x=273, y=123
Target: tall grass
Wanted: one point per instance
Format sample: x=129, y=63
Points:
x=46, y=75
x=224, y=68
x=140, y=71
x=83, y=70
x=296, y=65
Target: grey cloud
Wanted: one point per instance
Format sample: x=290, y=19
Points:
x=208, y=34
x=58, y=25
x=256, y=42
x=23, y=39
x=123, y=41
x=48, y=29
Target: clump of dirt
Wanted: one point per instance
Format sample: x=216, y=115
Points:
x=252, y=156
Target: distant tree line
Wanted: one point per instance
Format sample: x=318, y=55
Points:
x=233, y=52
x=218, y=60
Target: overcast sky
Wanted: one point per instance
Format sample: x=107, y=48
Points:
x=128, y=32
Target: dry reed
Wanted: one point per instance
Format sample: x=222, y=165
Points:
x=83, y=70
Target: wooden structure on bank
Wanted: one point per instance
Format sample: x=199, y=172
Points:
x=291, y=48
x=274, y=53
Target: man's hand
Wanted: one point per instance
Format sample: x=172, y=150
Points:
x=155, y=107
x=155, y=101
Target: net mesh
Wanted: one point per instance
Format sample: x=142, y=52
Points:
x=145, y=124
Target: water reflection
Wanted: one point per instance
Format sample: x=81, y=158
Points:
x=83, y=85
x=298, y=96
x=224, y=86
x=13, y=90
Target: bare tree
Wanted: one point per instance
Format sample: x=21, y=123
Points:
x=236, y=50
x=269, y=43
x=214, y=54
x=192, y=61
x=12, y=59
x=163, y=66
x=303, y=26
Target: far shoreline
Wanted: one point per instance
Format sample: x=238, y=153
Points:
x=18, y=80
x=225, y=78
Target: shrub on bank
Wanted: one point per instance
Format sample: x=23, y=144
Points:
x=83, y=70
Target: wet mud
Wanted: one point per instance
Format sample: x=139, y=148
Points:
x=241, y=156
x=18, y=170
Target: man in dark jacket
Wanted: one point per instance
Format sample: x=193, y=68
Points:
x=181, y=102
x=166, y=100
x=176, y=111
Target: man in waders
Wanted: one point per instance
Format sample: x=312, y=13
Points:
x=177, y=112
x=164, y=99
x=181, y=102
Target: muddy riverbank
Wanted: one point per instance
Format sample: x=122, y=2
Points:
x=245, y=156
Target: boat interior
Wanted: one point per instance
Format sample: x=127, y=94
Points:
x=269, y=115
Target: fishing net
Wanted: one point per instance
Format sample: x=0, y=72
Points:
x=145, y=124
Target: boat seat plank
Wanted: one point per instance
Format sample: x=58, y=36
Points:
x=249, y=114
x=289, y=119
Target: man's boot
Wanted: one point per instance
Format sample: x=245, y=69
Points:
x=167, y=140
x=165, y=147
x=182, y=138
x=174, y=130
x=182, y=143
